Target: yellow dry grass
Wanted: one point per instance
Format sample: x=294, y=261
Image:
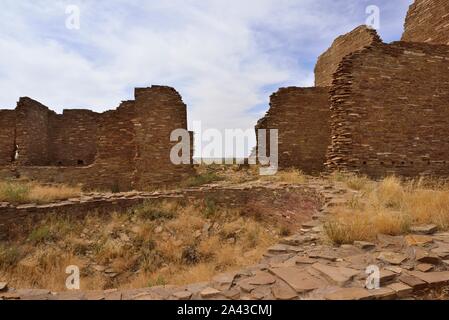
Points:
x=390, y=206
x=31, y=192
x=153, y=244
x=291, y=176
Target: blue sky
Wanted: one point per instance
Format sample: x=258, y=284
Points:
x=225, y=57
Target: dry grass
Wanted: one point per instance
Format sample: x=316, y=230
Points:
x=390, y=206
x=153, y=244
x=291, y=176
x=32, y=192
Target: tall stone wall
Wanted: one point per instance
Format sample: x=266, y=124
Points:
x=32, y=132
x=72, y=138
x=353, y=41
x=428, y=21
x=390, y=111
x=301, y=116
x=7, y=136
x=114, y=165
x=160, y=110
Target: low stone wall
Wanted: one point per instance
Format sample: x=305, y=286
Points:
x=17, y=218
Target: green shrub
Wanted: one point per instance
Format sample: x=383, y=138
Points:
x=9, y=256
x=41, y=235
x=14, y=192
x=151, y=211
x=202, y=179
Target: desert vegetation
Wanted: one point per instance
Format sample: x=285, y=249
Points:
x=390, y=206
x=18, y=192
x=150, y=245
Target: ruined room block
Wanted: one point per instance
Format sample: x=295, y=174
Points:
x=353, y=41
x=427, y=21
x=301, y=116
x=389, y=111
x=120, y=149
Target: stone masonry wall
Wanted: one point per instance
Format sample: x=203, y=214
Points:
x=32, y=132
x=72, y=138
x=302, y=117
x=428, y=21
x=117, y=150
x=159, y=112
x=114, y=167
x=7, y=136
x=328, y=62
x=390, y=111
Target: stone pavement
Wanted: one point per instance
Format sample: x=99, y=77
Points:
x=305, y=267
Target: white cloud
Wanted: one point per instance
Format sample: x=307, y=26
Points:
x=220, y=55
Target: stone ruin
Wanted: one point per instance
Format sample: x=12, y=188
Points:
x=377, y=108
x=122, y=149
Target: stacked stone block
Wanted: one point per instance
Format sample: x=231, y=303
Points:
x=428, y=21
x=301, y=116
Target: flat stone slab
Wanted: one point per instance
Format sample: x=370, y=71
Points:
x=424, y=267
x=412, y=281
x=282, y=291
x=349, y=294
x=336, y=275
x=209, y=292
x=283, y=248
x=262, y=278
x=299, y=279
x=418, y=240
x=424, y=229
x=364, y=245
x=424, y=256
x=432, y=278
x=442, y=250
x=402, y=290
x=182, y=295
x=392, y=257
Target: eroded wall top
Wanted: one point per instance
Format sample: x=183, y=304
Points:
x=428, y=21
x=328, y=62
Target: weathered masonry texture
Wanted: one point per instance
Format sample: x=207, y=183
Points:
x=302, y=117
x=328, y=62
x=428, y=21
x=126, y=148
x=388, y=104
x=402, y=130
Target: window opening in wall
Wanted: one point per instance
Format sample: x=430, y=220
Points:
x=80, y=162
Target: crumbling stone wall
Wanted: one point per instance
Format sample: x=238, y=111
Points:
x=116, y=149
x=353, y=41
x=428, y=21
x=159, y=112
x=120, y=149
x=301, y=116
x=7, y=136
x=72, y=138
x=32, y=132
x=390, y=111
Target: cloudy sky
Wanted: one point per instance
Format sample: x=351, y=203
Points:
x=225, y=57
